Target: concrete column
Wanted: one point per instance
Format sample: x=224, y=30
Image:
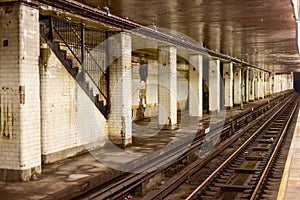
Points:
x=237, y=82
x=214, y=88
x=167, y=87
x=251, y=85
x=120, y=122
x=20, y=127
x=228, y=84
x=195, y=85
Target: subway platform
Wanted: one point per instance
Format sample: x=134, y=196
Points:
x=82, y=172
x=290, y=183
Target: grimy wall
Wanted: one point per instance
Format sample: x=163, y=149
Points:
x=71, y=123
x=20, y=132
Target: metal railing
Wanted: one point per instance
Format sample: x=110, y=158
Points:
x=88, y=47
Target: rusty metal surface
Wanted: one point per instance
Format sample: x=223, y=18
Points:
x=261, y=32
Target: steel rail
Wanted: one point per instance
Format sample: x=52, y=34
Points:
x=131, y=181
x=275, y=151
x=235, y=153
x=174, y=182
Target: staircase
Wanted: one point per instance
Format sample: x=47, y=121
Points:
x=83, y=52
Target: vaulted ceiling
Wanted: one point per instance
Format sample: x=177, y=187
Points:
x=261, y=32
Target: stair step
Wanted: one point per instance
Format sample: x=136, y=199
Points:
x=69, y=62
x=97, y=98
x=63, y=54
x=55, y=44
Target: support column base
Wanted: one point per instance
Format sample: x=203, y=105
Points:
x=228, y=107
x=213, y=112
x=168, y=127
x=122, y=143
x=10, y=175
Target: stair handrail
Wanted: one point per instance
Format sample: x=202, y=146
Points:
x=74, y=54
x=89, y=53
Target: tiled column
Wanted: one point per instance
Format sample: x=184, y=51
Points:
x=289, y=81
x=167, y=87
x=20, y=119
x=214, y=86
x=262, y=85
x=277, y=83
x=195, y=85
x=292, y=81
x=251, y=84
x=267, y=84
x=280, y=80
x=256, y=84
x=237, y=85
x=245, y=85
x=272, y=90
x=120, y=122
x=228, y=86
x=283, y=82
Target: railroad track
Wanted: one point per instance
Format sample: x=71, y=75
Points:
x=242, y=174
x=230, y=173
x=128, y=182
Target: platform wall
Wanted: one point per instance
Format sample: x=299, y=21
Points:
x=70, y=121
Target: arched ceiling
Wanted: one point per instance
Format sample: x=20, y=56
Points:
x=261, y=32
